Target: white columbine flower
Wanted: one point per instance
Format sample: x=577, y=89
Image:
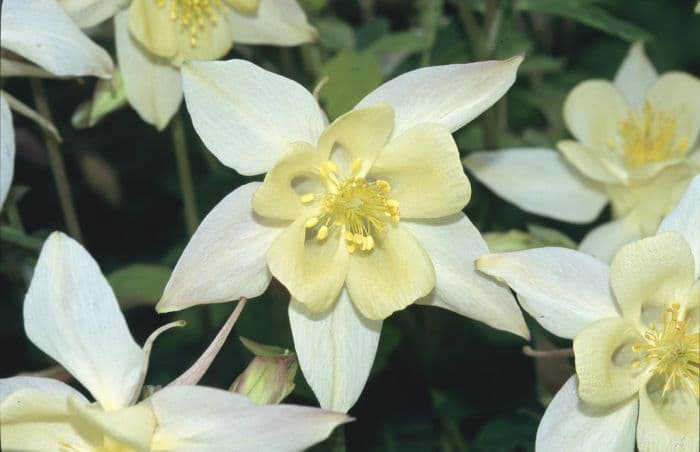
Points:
x=71, y=313
x=154, y=37
x=637, y=148
x=42, y=33
x=636, y=332
x=358, y=219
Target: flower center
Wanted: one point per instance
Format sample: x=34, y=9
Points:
x=194, y=15
x=649, y=136
x=671, y=352
x=361, y=207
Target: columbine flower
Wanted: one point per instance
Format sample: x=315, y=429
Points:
x=637, y=148
x=41, y=32
x=357, y=219
x=154, y=37
x=636, y=332
x=72, y=315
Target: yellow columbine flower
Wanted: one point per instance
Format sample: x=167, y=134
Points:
x=636, y=332
x=72, y=315
x=358, y=219
x=637, y=148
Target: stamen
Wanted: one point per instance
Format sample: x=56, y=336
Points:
x=307, y=198
x=649, y=136
x=311, y=222
x=671, y=353
x=194, y=15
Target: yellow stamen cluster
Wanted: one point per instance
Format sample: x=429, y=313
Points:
x=649, y=136
x=361, y=207
x=671, y=352
x=194, y=15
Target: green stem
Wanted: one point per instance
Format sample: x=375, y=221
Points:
x=177, y=128
x=12, y=211
x=337, y=439
x=56, y=162
x=11, y=235
x=471, y=27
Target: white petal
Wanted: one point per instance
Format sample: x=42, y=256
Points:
x=88, y=13
x=450, y=95
x=564, y=290
x=246, y=115
x=453, y=244
x=276, y=22
x=636, y=75
x=7, y=150
x=40, y=31
x=48, y=385
x=71, y=314
x=195, y=418
x=685, y=219
x=605, y=240
x=539, y=181
x=152, y=85
x=225, y=258
x=336, y=350
x=571, y=425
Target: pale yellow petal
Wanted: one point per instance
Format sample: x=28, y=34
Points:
x=668, y=423
x=358, y=134
x=423, y=168
x=593, y=111
x=33, y=420
x=678, y=93
x=589, y=162
x=152, y=27
x=312, y=270
x=391, y=276
x=648, y=275
x=244, y=6
x=212, y=41
x=279, y=196
x=604, y=356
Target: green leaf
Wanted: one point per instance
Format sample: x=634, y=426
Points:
x=109, y=96
x=334, y=33
x=139, y=284
x=505, y=434
x=351, y=75
x=589, y=14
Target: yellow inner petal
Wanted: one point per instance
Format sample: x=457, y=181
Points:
x=363, y=208
x=648, y=136
x=672, y=353
x=194, y=15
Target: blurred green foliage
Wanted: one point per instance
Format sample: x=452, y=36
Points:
x=440, y=381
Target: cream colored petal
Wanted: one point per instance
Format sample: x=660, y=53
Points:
x=244, y=6
x=200, y=419
x=604, y=356
x=678, y=93
x=668, y=423
x=358, y=134
x=685, y=219
x=71, y=314
x=88, y=13
x=423, y=168
x=605, y=240
x=336, y=350
x=590, y=162
x=213, y=42
x=131, y=427
x=593, y=111
x=562, y=289
x=46, y=385
x=277, y=197
x=7, y=150
x=453, y=244
x=654, y=271
x=635, y=75
x=539, y=181
x=150, y=25
x=152, y=85
x=225, y=258
x=246, y=115
x=33, y=420
x=391, y=276
x=312, y=270
x=40, y=31
x=276, y=22
x=571, y=425
x=450, y=95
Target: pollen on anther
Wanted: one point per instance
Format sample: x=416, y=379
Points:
x=322, y=233
x=307, y=198
x=356, y=165
x=311, y=222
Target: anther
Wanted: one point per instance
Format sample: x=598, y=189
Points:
x=311, y=222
